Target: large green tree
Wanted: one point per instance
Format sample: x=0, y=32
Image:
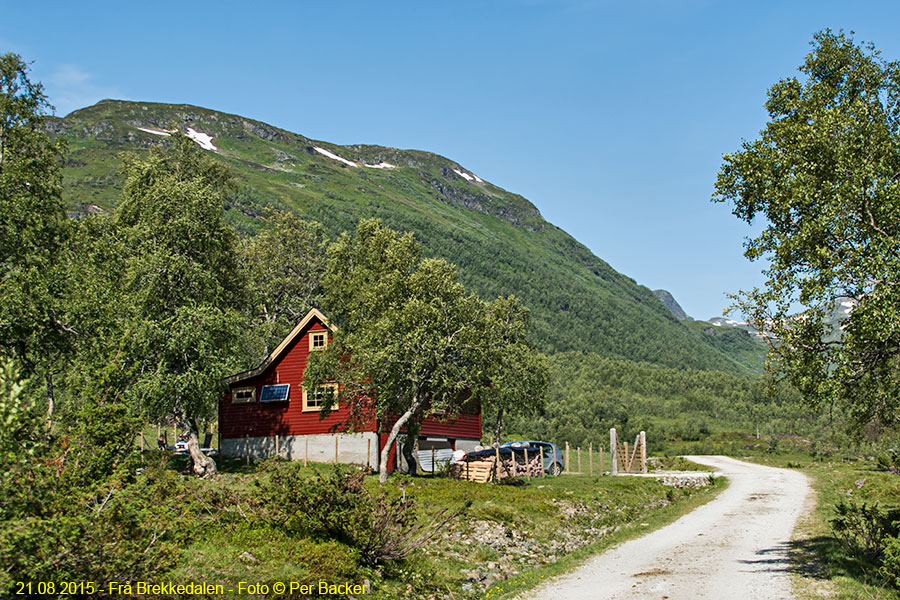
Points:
x=182, y=285
x=407, y=334
x=824, y=176
x=517, y=374
x=34, y=327
x=284, y=264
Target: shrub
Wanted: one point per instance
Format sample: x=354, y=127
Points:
x=889, y=461
x=381, y=528
x=72, y=508
x=863, y=527
x=891, y=565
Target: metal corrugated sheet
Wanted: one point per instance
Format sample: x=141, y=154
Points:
x=441, y=458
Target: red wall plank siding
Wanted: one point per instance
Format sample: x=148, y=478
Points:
x=256, y=419
x=465, y=426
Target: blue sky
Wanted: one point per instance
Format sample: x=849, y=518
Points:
x=610, y=117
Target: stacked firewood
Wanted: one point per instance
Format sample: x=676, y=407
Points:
x=500, y=466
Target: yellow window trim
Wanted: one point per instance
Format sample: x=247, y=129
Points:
x=314, y=408
x=235, y=391
x=316, y=335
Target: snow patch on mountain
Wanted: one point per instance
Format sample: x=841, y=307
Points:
x=155, y=131
x=334, y=156
x=381, y=165
x=203, y=140
x=463, y=174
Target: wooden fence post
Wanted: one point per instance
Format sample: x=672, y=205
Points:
x=368, y=451
x=247, y=447
x=543, y=474
x=432, y=461
x=601, y=461
x=579, y=459
x=567, y=457
x=306, y=454
x=643, y=452
x=591, y=458
x=613, y=451
x=335, y=449
x=277, y=449
x=497, y=465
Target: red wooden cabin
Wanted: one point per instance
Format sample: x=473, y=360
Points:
x=266, y=411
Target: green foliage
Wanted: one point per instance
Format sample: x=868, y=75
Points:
x=823, y=176
x=21, y=439
x=517, y=373
x=864, y=528
x=183, y=288
x=382, y=528
x=891, y=565
x=33, y=228
x=71, y=507
x=589, y=394
x=889, y=460
x=284, y=265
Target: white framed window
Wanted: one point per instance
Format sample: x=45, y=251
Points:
x=315, y=399
x=243, y=395
x=318, y=340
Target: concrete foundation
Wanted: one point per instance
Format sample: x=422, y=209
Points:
x=350, y=448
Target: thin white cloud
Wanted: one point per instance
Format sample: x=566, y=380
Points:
x=70, y=87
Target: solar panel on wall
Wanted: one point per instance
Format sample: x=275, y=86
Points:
x=274, y=393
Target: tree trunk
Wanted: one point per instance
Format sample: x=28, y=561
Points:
x=499, y=427
x=200, y=464
x=409, y=447
x=50, y=399
x=392, y=437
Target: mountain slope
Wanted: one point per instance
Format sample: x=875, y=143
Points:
x=499, y=240
x=669, y=301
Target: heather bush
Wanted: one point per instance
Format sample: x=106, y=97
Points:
x=864, y=528
x=382, y=528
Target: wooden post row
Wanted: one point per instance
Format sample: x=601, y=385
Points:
x=591, y=458
x=613, y=451
x=643, y=452
x=567, y=457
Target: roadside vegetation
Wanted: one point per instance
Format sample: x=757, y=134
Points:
x=501, y=538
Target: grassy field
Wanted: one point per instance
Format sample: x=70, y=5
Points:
x=508, y=539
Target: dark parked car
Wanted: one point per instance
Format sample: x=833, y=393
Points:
x=553, y=457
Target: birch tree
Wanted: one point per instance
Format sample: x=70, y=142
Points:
x=407, y=334
x=823, y=178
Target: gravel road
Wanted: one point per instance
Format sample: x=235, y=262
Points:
x=735, y=546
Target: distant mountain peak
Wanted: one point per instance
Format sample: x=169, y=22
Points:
x=668, y=299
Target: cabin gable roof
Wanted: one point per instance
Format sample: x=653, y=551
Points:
x=313, y=314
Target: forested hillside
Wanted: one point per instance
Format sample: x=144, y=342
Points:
x=589, y=394
x=499, y=240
